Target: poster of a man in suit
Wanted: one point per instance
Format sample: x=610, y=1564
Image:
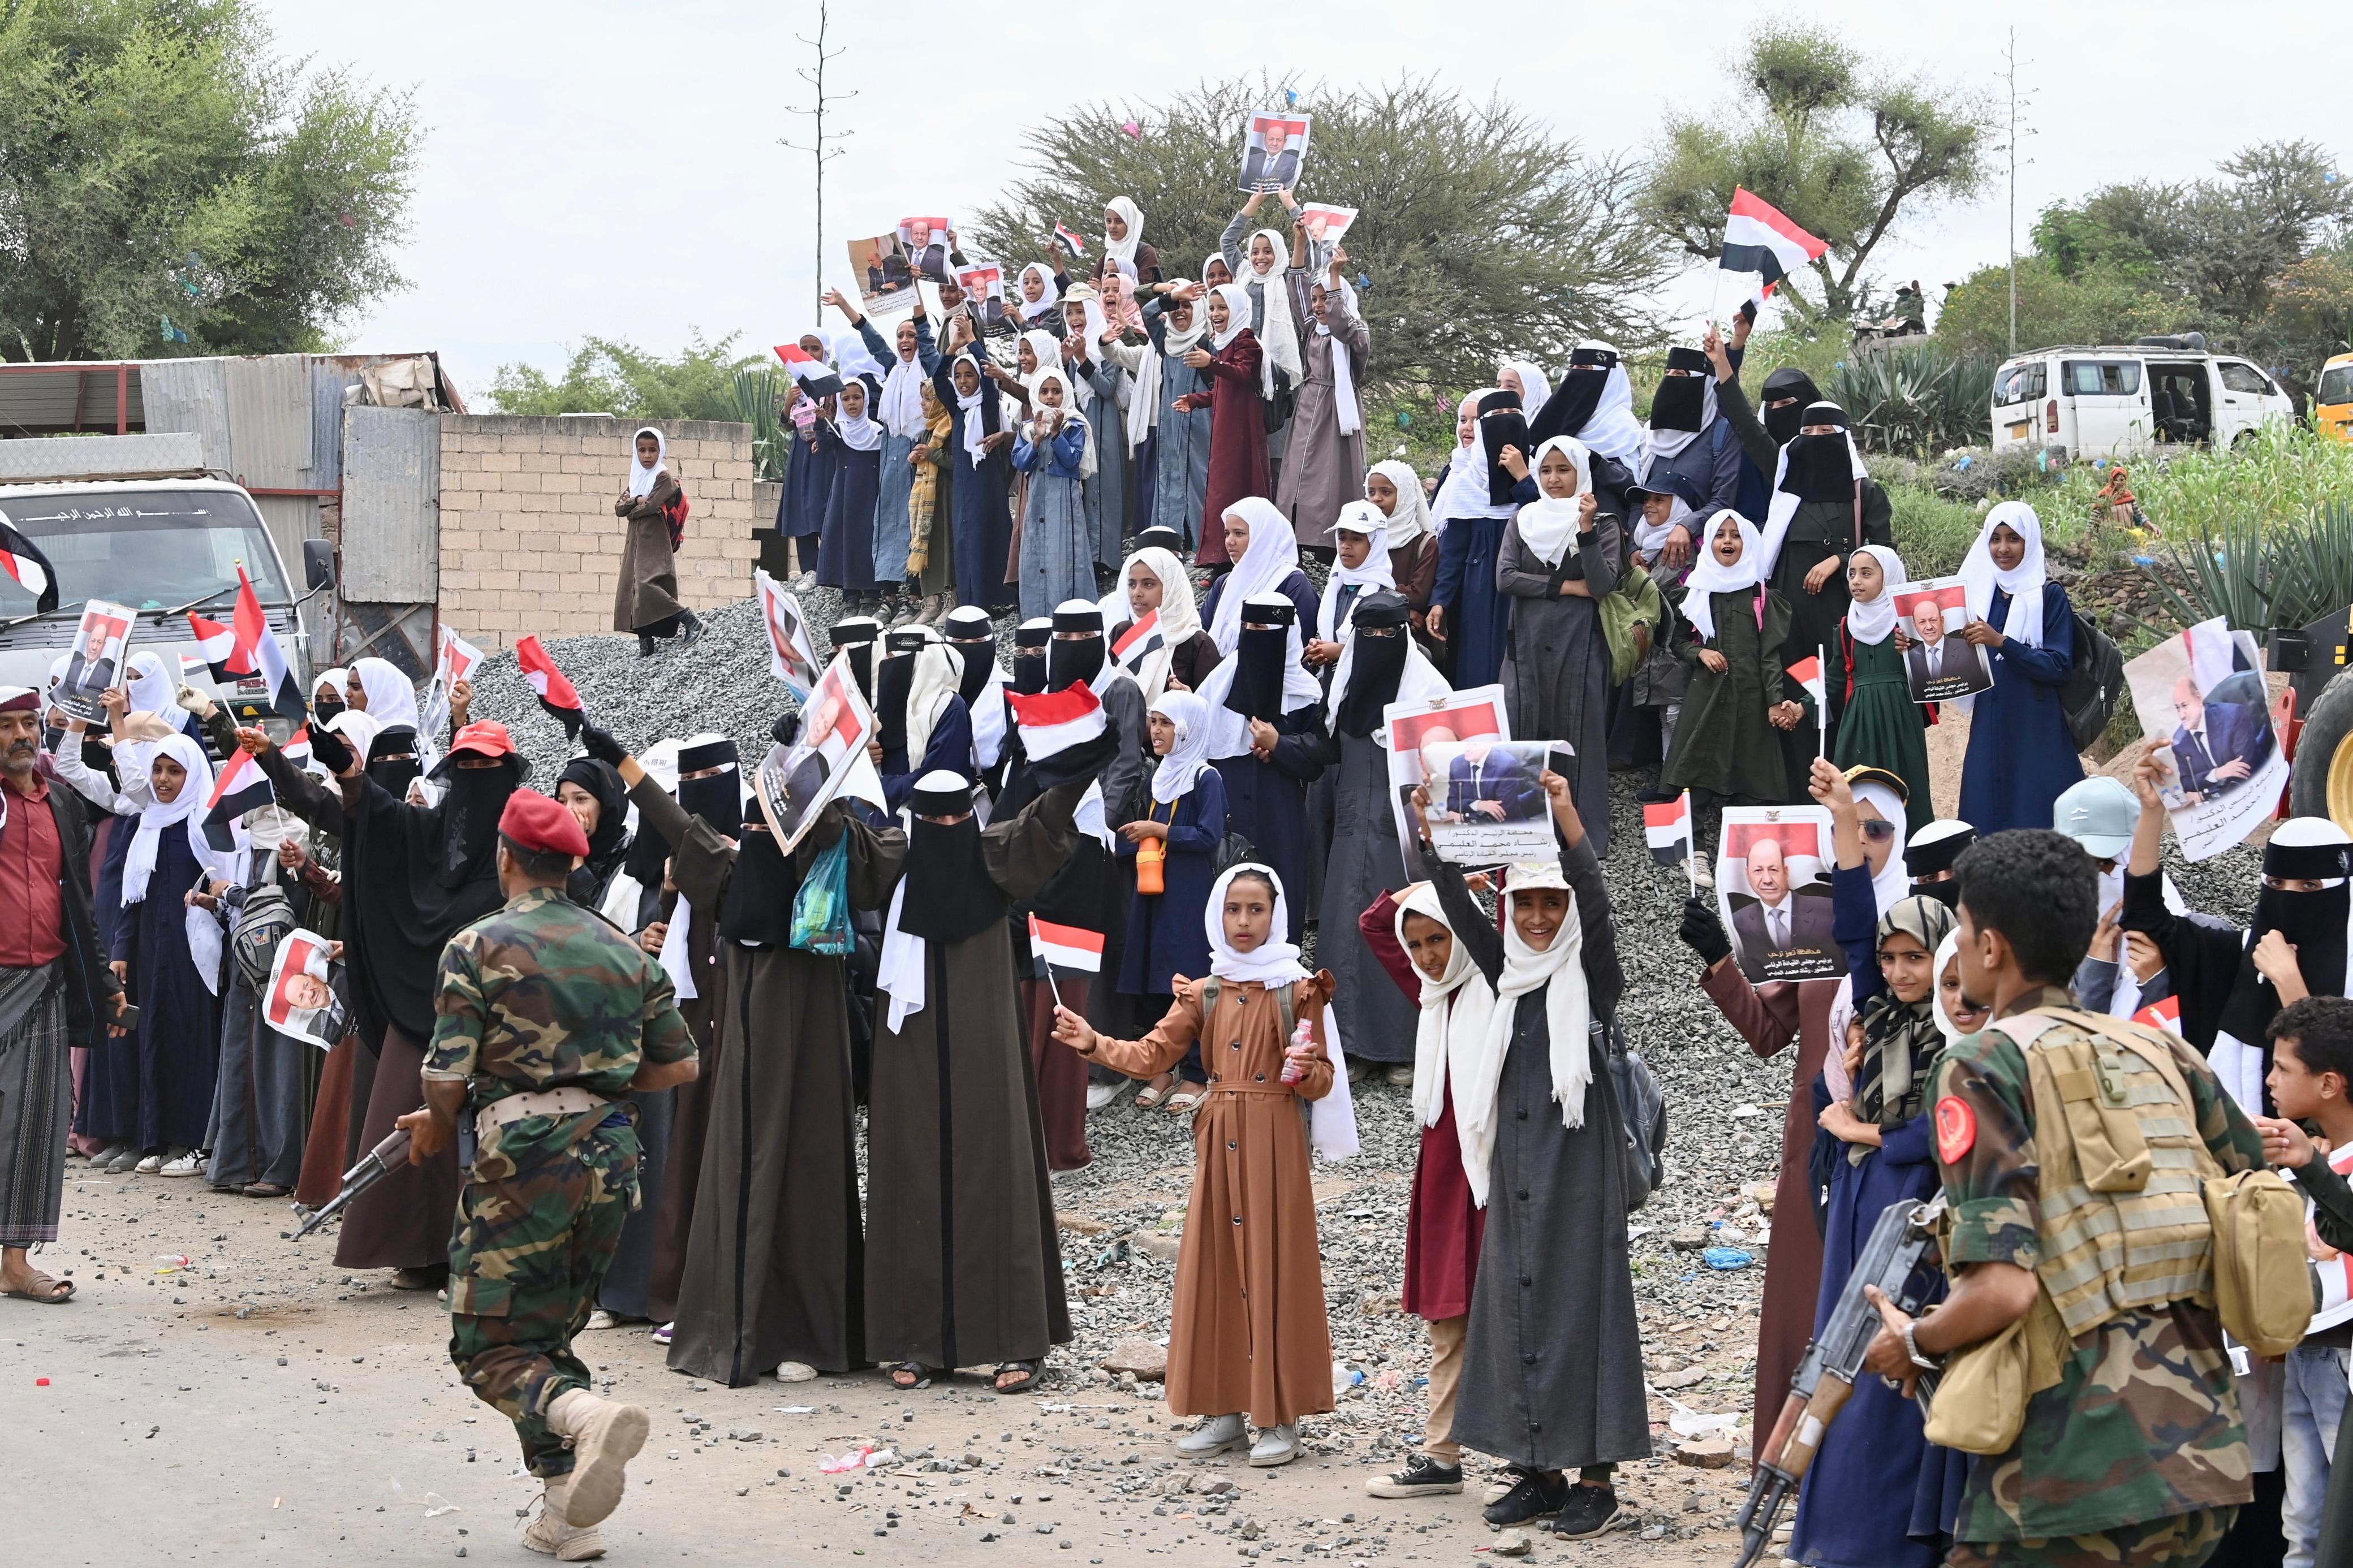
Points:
x=2206, y=712
x=1774, y=889
x=1271, y=150
x=1939, y=663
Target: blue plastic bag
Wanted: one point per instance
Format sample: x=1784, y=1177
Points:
x=821, y=907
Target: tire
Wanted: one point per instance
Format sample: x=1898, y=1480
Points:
x=2327, y=731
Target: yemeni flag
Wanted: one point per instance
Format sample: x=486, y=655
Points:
x=1054, y=722
x=218, y=644
x=1807, y=673
x=22, y=559
x=556, y=693
x=240, y=787
x=1062, y=232
x=1760, y=241
x=298, y=751
x=258, y=645
x=1141, y=641
x=1668, y=830
x=1066, y=947
x=2165, y=1014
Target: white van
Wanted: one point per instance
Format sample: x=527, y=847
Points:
x=2104, y=401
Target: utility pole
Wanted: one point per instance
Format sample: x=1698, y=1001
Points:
x=2010, y=75
x=822, y=144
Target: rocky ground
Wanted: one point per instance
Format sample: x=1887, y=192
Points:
x=263, y=1407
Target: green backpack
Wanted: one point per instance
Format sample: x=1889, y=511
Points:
x=1633, y=620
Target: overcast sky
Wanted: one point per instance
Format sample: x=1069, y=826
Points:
x=598, y=168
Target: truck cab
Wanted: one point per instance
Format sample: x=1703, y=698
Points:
x=162, y=546
x=2120, y=399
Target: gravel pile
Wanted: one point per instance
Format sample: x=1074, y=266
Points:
x=1123, y=1214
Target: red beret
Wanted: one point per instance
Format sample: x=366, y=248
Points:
x=538, y=824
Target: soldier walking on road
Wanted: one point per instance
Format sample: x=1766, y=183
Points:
x=548, y=1017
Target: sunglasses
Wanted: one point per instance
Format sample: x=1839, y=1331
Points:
x=1878, y=829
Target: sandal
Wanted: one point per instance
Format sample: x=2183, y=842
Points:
x=1025, y=1377
x=260, y=1190
x=45, y=1288
x=1185, y=1100
x=910, y=1376
x=1150, y=1096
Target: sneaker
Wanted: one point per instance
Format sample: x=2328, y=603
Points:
x=183, y=1163
x=1535, y=1496
x=1500, y=1484
x=1276, y=1446
x=1214, y=1435
x=1399, y=1076
x=149, y=1165
x=1423, y=1478
x=105, y=1158
x=661, y=1335
x=1701, y=875
x=1589, y=1512
x=1101, y=1094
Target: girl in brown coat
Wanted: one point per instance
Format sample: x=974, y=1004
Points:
x=1249, y=1334
x=644, y=599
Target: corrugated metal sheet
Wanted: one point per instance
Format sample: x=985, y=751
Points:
x=56, y=399
x=328, y=379
x=392, y=506
x=191, y=394
x=97, y=456
x=269, y=420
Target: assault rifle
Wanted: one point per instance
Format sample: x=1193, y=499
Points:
x=375, y=1166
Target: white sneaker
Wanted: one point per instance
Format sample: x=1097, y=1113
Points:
x=1276, y=1446
x=1215, y=1435
x=1101, y=1094
x=188, y=1163
x=1701, y=875
x=150, y=1165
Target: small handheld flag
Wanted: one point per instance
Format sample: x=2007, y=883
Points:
x=1761, y=242
x=257, y=642
x=218, y=644
x=556, y=693
x=1807, y=673
x=1053, y=721
x=1066, y=947
x=1667, y=829
x=21, y=559
x=1078, y=247
x=1139, y=642
x=240, y=787
x=2162, y=1014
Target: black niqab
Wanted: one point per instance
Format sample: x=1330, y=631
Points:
x=2313, y=922
x=1501, y=424
x=1256, y=691
x=472, y=801
x=979, y=662
x=1074, y=661
x=1782, y=423
x=393, y=760
x=1373, y=673
x=950, y=895
x=1570, y=407
x=892, y=683
x=1681, y=402
x=757, y=907
x=1820, y=469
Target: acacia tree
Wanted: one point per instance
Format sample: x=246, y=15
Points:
x=1480, y=232
x=1847, y=147
x=169, y=187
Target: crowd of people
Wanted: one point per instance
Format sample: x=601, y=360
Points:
x=1169, y=457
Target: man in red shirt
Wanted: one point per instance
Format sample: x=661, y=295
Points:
x=53, y=987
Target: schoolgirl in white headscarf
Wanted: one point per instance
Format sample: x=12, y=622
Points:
x=1550, y=524
x=1124, y=248
x=1050, y=293
x=1278, y=331
x=1871, y=621
x=2023, y=582
x=1358, y=517
x=1710, y=576
x=642, y=477
x=1267, y=560
x=1181, y=618
x=1409, y=518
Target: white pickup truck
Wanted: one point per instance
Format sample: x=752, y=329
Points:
x=162, y=546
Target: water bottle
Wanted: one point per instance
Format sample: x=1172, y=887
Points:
x=172, y=1262
x=1151, y=857
x=1295, y=1067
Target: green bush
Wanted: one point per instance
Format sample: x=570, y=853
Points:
x=2282, y=473
x=1932, y=533
x=1913, y=397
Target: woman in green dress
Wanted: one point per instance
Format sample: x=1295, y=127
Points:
x=1730, y=632
x=1874, y=722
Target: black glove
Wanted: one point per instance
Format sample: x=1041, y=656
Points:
x=328, y=748
x=787, y=729
x=601, y=745
x=1704, y=934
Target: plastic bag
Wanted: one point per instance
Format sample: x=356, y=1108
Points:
x=821, y=907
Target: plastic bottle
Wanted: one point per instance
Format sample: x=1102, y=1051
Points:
x=1295, y=1067
x=1151, y=857
x=172, y=1262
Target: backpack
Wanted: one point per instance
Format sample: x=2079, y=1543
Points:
x=674, y=514
x=1232, y=850
x=261, y=923
x=2089, y=695
x=1641, y=1110
x=1633, y=622
x=1276, y=411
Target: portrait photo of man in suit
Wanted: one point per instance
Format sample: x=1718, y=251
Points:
x=1485, y=780
x=1940, y=665
x=1272, y=152
x=1779, y=919
x=927, y=250
x=2217, y=744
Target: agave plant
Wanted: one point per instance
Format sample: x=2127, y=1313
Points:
x=1913, y=399
x=2288, y=573
x=755, y=404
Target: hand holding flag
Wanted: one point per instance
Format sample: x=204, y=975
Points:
x=1078, y=247
x=554, y=692
x=1761, y=242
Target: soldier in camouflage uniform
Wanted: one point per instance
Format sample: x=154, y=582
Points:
x=2137, y=1457
x=547, y=1015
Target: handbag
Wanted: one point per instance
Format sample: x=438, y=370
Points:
x=821, y=907
x=1233, y=850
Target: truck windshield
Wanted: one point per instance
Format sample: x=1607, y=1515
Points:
x=2336, y=384
x=148, y=549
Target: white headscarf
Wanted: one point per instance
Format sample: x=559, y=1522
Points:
x=861, y=434
x=902, y=398
x=1611, y=429
x=974, y=432
x=1271, y=557
x=1132, y=216
x=1181, y=618
x=642, y=479
x=1085, y=296
x=1047, y=301
x=1238, y=313
x=391, y=699
x=1894, y=883
x=1871, y=622
x=1559, y=971
x=1375, y=575
x=154, y=816
x=338, y=678
x=150, y=687
x=1182, y=767
x=1450, y=1038
x=2023, y=584
x=1535, y=390
x=1709, y=576
x=1070, y=415
x=1278, y=333
x=938, y=675
x=1045, y=347
x=1174, y=341
x=1948, y=950
x=1783, y=507
x=1466, y=491
x=1230, y=734
x=1550, y=524
x=358, y=730
x=1410, y=520
x=1343, y=366
x=1331, y=1120
x=852, y=355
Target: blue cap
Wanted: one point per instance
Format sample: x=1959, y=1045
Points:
x=2098, y=814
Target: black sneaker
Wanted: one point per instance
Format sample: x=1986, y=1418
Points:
x=1500, y=1482
x=1535, y=1496
x=1423, y=1478
x=1589, y=1512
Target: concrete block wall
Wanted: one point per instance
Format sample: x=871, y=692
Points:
x=529, y=542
